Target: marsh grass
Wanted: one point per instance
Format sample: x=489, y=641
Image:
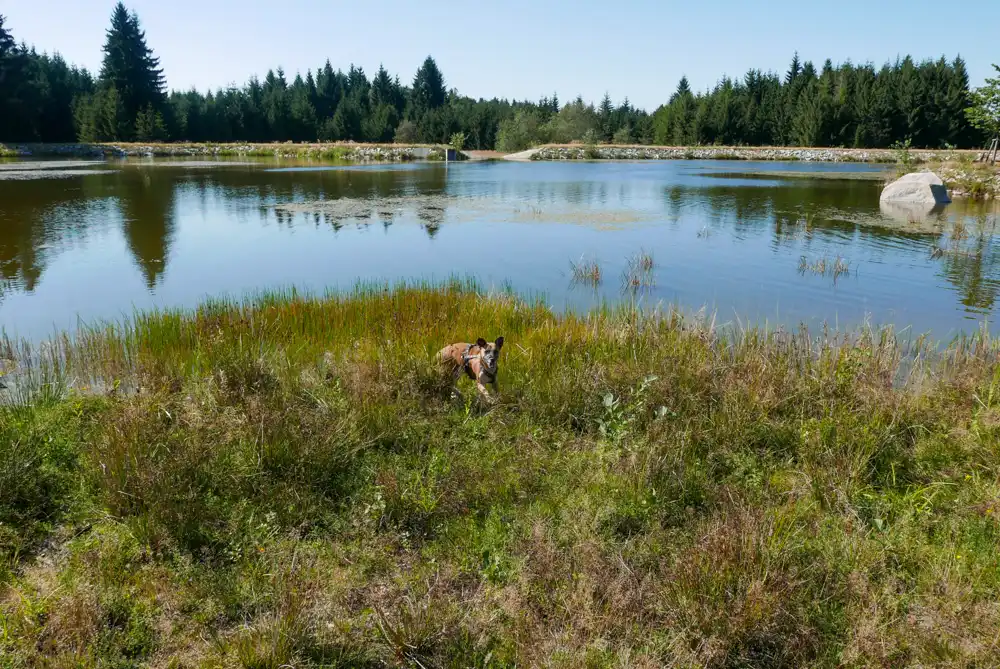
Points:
x=586, y=272
x=965, y=240
x=835, y=267
x=639, y=273
x=283, y=481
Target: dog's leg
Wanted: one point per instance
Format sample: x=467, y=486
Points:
x=482, y=391
x=455, y=376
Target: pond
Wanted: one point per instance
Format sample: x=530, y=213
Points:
x=751, y=242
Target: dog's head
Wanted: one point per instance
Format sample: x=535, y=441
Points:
x=490, y=352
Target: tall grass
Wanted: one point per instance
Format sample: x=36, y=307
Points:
x=285, y=481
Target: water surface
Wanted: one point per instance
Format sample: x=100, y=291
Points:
x=98, y=245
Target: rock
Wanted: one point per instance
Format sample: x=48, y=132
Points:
x=917, y=188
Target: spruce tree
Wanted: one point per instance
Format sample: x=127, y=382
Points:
x=957, y=100
x=357, y=84
x=254, y=118
x=130, y=67
x=683, y=88
x=302, y=114
x=14, y=117
x=149, y=126
x=908, y=90
x=793, y=70
x=382, y=89
x=380, y=125
x=605, y=117
x=329, y=91
x=311, y=89
x=346, y=122
x=276, y=105
x=428, y=88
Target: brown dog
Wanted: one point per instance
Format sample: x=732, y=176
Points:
x=479, y=361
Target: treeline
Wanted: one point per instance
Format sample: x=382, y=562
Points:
x=44, y=99
x=849, y=105
x=37, y=93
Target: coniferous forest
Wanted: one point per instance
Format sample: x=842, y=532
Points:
x=45, y=99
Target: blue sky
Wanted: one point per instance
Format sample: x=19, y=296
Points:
x=520, y=49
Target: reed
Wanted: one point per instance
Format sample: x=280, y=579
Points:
x=835, y=267
x=586, y=272
x=639, y=273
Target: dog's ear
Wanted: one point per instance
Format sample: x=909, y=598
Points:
x=481, y=343
x=499, y=343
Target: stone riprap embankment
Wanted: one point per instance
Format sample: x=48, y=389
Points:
x=736, y=153
x=971, y=181
x=355, y=153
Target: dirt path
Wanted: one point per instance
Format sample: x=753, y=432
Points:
x=521, y=156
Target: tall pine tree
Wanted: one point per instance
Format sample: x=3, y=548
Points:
x=428, y=88
x=130, y=67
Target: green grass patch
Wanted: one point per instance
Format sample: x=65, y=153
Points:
x=286, y=481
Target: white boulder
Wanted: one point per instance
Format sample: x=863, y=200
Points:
x=925, y=188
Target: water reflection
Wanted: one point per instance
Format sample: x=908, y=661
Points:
x=146, y=198
x=970, y=262
x=730, y=241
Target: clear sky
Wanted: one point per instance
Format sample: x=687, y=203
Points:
x=516, y=48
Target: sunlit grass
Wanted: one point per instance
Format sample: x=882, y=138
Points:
x=284, y=480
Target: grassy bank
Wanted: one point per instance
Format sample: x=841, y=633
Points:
x=285, y=482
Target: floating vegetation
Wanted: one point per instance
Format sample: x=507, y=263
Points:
x=466, y=209
x=28, y=175
x=586, y=272
x=835, y=267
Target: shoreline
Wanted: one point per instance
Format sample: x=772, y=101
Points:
x=333, y=151
x=552, y=152
x=558, y=152
x=964, y=177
